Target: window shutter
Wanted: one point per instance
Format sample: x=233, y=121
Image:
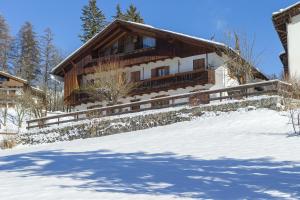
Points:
x=199, y=64
x=135, y=76
x=153, y=73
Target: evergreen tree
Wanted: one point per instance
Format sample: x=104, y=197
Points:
x=27, y=53
x=132, y=14
x=119, y=13
x=93, y=21
x=5, y=45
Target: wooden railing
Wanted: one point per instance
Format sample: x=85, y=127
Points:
x=141, y=56
x=163, y=83
x=174, y=81
x=274, y=87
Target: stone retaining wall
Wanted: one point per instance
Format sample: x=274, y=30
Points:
x=106, y=126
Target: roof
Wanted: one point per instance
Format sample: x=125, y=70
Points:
x=194, y=39
x=16, y=78
x=281, y=18
x=136, y=25
x=286, y=9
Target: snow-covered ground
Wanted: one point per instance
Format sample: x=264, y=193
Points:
x=237, y=155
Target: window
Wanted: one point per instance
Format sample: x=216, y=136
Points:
x=121, y=45
x=114, y=48
x=160, y=71
x=149, y=42
x=163, y=71
x=199, y=64
x=3, y=79
x=128, y=45
x=135, y=76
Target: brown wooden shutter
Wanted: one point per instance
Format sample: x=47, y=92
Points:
x=199, y=64
x=153, y=73
x=135, y=76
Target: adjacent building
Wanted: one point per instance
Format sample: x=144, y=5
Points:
x=11, y=86
x=287, y=25
x=162, y=62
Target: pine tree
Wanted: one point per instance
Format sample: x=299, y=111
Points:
x=132, y=14
x=93, y=21
x=5, y=44
x=119, y=13
x=27, y=53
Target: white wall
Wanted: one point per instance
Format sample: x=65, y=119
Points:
x=293, y=30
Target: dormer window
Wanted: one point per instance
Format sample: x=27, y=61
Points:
x=149, y=42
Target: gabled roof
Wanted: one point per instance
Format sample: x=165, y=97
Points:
x=128, y=24
x=281, y=18
x=16, y=78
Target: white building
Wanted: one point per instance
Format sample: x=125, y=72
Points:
x=287, y=25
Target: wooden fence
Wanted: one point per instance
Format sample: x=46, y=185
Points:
x=274, y=87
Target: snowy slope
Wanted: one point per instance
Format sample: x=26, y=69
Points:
x=237, y=155
x=11, y=125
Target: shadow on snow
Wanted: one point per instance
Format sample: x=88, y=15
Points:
x=166, y=173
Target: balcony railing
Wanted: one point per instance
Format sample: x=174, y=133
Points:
x=124, y=60
x=174, y=81
x=157, y=84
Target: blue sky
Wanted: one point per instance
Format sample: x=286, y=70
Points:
x=202, y=18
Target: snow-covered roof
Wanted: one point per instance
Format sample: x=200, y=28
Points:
x=13, y=77
x=286, y=9
x=176, y=33
x=136, y=24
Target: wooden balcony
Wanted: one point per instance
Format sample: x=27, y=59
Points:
x=157, y=84
x=137, y=57
x=175, y=81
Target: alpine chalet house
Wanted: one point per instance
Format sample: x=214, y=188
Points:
x=287, y=25
x=11, y=86
x=162, y=62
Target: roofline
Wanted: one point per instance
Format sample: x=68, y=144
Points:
x=281, y=18
x=68, y=58
x=281, y=11
x=216, y=44
x=14, y=77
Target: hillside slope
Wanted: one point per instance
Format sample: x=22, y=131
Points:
x=237, y=155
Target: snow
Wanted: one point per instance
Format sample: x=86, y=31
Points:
x=287, y=8
x=236, y=155
x=11, y=126
x=140, y=113
x=175, y=33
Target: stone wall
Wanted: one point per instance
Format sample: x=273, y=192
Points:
x=106, y=126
